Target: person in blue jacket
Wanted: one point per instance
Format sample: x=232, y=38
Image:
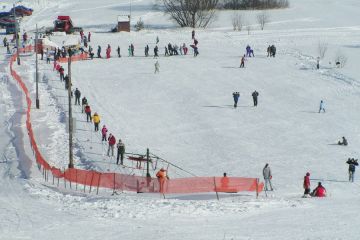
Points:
x=236, y=96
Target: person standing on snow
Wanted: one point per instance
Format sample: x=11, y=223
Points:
x=242, y=62
x=96, y=121
x=236, y=96
x=162, y=177
x=88, y=113
x=255, y=95
x=322, y=106
x=112, y=142
x=108, y=51
x=156, y=50
x=118, y=51
x=157, y=39
x=61, y=71
x=132, y=49
x=99, y=52
x=120, y=152
x=267, y=177
x=89, y=36
x=317, y=62
x=193, y=34
x=83, y=104
x=306, y=185
x=77, y=96
x=352, y=165
x=157, y=67
x=104, y=133
x=147, y=50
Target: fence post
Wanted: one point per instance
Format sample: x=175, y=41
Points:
x=217, y=194
x=257, y=187
x=76, y=178
x=97, y=190
x=64, y=178
x=114, y=185
x=92, y=177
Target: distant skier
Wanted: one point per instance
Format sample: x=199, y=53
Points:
x=132, y=49
x=157, y=67
x=156, y=50
x=61, y=71
x=267, y=177
x=318, y=62
x=166, y=51
x=255, y=95
x=118, y=51
x=319, y=191
x=83, y=104
x=112, y=142
x=96, y=121
x=104, y=133
x=157, y=39
x=66, y=80
x=236, y=96
x=269, y=51
x=88, y=113
x=306, y=185
x=242, y=62
x=352, y=165
x=77, y=96
x=5, y=41
x=248, y=48
x=120, y=152
x=322, y=106
x=108, y=51
x=99, y=52
x=272, y=51
x=89, y=36
x=193, y=34
x=343, y=142
x=147, y=50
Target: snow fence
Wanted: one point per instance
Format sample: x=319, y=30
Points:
x=139, y=184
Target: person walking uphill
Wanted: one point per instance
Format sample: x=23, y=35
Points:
x=103, y=133
x=242, y=62
x=267, y=177
x=112, y=142
x=83, y=104
x=96, y=121
x=255, y=95
x=77, y=96
x=88, y=113
x=322, y=106
x=236, y=96
x=120, y=152
x=306, y=185
x=108, y=51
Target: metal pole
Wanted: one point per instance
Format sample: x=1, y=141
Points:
x=16, y=37
x=71, y=161
x=147, y=162
x=37, y=69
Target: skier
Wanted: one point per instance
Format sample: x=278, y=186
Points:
x=248, y=48
x=319, y=191
x=5, y=41
x=112, y=142
x=118, y=51
x=77, y=96
x=306, y=185
x=193, y=34
x=252, y=52
x=236, y=96
x=352, y=165
x=120, y=152
x=157, y=67
x=89, y=36
x=156, y=50
x=267, y=177
x=132, y=49
x=255, y=95
x=66, y=80
x=61, y=71
x=96, y=121
x=242, y=63
x=108, y=51
x=99, y=52
x=88, y=113
x=103, y=133
x=269, y=51
x=322, y=107
x=146, y=50
x=318, y=62
x=91, y=54
x=83, y=104
x=344, y=142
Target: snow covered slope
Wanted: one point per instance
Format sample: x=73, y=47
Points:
x=185, y=115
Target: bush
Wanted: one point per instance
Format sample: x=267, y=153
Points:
x=254, y=4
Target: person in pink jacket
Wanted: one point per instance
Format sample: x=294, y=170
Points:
x=108, y=51
x=103, y=133
x=306, y=185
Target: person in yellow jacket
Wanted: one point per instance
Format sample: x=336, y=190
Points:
x=96, y=121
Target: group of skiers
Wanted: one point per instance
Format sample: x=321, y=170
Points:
x=236, y=97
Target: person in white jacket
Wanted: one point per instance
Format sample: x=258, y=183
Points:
x=267, y=177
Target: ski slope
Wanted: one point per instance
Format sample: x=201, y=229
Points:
x=185, y=115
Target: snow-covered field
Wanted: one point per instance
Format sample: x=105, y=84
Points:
x=184, y=114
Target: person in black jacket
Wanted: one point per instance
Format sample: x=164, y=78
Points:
x=255, y=95
x=344, y=142
x=83, y=104
x=77, y=96
x=120, y=152
x=352, y=165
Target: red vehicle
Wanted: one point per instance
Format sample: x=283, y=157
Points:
x=64, y=24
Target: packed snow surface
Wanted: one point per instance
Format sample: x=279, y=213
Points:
x=185, y=115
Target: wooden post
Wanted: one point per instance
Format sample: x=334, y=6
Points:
x=71, y=160
x=147, y=162
x=114, y=185
x=217, y=194
x=92, y=177
x=257, y=187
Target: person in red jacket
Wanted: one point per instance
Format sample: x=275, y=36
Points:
x=108, y=51
x=88, y=113
x=112, y=142
x=319, y=191
x=306, y=185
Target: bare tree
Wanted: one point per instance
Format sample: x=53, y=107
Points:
x=237, y=22
x=263, y=18
x=322, y=48
x=340, y=59
x=191, y=13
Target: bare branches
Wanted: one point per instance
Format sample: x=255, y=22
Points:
x=322, y=48
x=263, y=18
x=237, y=22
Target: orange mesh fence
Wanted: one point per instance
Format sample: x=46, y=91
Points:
x=79, y=57
x=129, y=182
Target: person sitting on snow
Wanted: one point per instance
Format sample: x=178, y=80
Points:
x=319, y=191
x=344, y=142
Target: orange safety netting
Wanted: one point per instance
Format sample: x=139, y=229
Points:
x=79, y=57
x=132, y=183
